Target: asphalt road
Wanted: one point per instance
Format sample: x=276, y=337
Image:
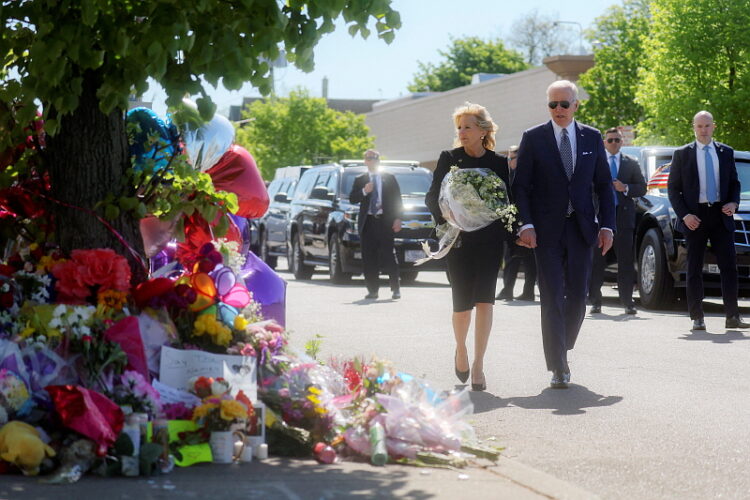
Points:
x=654, y=411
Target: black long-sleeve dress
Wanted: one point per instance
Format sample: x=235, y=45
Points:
x=474, y=262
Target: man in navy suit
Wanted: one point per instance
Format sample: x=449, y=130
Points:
x=705, y=193
x=561, y=165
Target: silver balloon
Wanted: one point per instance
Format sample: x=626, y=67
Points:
x=206, y=145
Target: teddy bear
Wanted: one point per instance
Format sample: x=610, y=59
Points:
x=21, y=445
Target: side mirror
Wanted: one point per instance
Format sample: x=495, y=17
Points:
x=321, y=193
x=281, y=197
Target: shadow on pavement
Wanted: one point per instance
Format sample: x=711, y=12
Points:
x=717, y=338
x=276, y=478
x=571, y=401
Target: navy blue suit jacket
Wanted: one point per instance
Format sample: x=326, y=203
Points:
x=684, y=184
x=541, y=188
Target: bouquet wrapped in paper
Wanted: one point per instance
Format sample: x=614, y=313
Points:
x=470, y=199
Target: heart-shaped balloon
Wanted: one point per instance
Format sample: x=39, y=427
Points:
x=238, y=296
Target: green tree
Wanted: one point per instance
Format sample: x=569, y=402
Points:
x=81, y=59
x=611, y=84
x=699, y=58
x=301, y=130
x=463, y=58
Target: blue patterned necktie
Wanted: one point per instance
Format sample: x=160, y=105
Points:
x=374, y=199
x=710, y=176
x=566, y=155
x=613, y=171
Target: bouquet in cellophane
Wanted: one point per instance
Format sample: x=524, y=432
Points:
x=470, y=199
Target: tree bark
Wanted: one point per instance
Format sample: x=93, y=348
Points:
x=87, y=159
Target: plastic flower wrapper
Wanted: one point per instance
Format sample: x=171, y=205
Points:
x=470, y=199
x=14, y=395
x=303, y=395
x=135, y=391
x=89, y=413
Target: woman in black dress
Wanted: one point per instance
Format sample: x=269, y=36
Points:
x=474, y=261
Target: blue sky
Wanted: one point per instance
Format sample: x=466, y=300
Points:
x=372, y=69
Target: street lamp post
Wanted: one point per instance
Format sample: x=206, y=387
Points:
x=580, y=33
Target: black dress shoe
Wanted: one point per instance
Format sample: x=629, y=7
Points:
x=630, y=310
x=505, y=295
x=699, y=324
x=559, y=380
x=736, y=322
x=396, y=295
x=371, y=295
x=527, y=297
x=596, y=309
x=462, y=376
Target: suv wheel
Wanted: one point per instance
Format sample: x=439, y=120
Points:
x=271, y=261
x=408, y=277
x=300, y=270
x=335, y=271
x=655, y=284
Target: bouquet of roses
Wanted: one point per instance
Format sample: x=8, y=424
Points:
x=470, y=199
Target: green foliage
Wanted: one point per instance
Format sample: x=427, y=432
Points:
x=300, y=130
x=49, y=45
x=312, y=346
x=618, y=55
x=463, y=58
x=699, y=58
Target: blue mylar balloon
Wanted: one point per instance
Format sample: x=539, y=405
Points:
x=227, y=313
x=151, y=125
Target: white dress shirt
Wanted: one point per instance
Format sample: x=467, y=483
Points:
x=571, y=128
x=377, y=179
x=700, y=156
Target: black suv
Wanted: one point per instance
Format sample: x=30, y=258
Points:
x=323, y=223
x=272, y=227
x=661, y=251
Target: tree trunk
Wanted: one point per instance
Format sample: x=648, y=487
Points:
x=87, y=159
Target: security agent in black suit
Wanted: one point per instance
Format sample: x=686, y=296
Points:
x=628, y=183
x=705, y=192
x=380, y=209
x=515, y=255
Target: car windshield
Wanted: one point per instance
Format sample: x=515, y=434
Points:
x=411, y=183
x=743, y=173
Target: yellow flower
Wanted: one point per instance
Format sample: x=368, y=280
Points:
x=112, y=299
x=27, y=332
x=315, y=390
x=203, y=410
x=240, y=322
x=231, y=409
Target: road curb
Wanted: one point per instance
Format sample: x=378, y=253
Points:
x=537, y=481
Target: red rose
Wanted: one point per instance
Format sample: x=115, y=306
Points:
x=144, y=292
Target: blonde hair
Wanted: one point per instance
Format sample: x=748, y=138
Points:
x=483, y=119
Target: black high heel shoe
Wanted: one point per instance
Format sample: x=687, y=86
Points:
x=462, y=376
x=479, y=387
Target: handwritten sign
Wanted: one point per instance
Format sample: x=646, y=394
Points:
x=177, y=367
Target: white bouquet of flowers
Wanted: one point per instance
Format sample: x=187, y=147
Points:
x=470, y=199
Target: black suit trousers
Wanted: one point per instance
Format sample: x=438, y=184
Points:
x=713, y=229
x=377, y=253
x=623, y=248
x=515, y=256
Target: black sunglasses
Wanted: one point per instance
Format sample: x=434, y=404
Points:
x=563, y=104
x=372, y=157
x=610, y=140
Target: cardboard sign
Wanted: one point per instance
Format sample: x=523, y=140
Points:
x=177, y=367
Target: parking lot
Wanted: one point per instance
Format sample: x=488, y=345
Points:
x=654, y=411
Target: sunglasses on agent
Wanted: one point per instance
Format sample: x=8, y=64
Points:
x=610, y=140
